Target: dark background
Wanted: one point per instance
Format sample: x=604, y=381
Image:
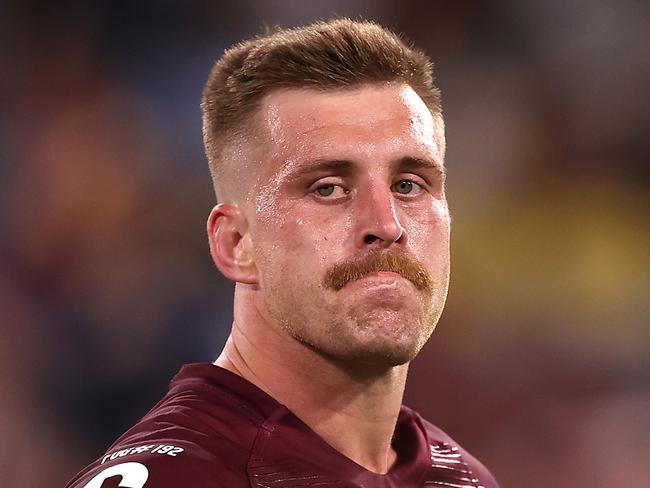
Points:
x=539, y=365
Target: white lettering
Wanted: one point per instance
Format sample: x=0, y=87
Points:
x=168, y=450
x=134, y=475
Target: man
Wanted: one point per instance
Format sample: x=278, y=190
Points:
x=326, y=147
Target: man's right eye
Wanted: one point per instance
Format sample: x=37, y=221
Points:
x=329, y=191
x=325, y=190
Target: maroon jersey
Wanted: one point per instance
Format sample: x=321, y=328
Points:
x=214, y=429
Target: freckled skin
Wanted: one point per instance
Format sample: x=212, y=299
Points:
x=298, y=233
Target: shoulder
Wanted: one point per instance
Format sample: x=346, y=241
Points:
x=444, y=449
x=188, y=439
x=161, y=465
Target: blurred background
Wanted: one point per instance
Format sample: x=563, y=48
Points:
x=540, y=363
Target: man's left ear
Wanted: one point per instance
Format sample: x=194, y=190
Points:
x=230, y=243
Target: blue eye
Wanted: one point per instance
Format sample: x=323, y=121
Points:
x=330, y=191
x=325, y=190
x=405, y=187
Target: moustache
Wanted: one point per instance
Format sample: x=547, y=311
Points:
x=395, y=261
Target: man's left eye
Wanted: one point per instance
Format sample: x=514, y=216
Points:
x=406, y=187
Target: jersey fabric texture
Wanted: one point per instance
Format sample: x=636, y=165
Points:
x=214, y=429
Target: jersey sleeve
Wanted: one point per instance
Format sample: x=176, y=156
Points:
x=153, y=466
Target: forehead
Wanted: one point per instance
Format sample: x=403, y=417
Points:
x=354, y=119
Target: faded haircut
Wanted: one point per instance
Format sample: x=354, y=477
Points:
x=336, y=54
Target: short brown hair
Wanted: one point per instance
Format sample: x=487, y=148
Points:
x=329, y=55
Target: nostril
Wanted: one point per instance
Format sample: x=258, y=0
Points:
x=369, y=239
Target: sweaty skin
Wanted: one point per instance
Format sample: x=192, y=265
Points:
x=342, y=174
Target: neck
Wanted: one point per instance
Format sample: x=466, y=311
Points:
x=353, y=409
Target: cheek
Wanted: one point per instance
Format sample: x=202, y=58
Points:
x=317, y=232
x=429, y=230
x=441, y=219
x=290, y=247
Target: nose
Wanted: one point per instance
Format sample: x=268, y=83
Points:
x=378, y=221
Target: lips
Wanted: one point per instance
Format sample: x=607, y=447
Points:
x=388, y=279
x=387, y=275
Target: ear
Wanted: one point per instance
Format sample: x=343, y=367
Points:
x=230, y=244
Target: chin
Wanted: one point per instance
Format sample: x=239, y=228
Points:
x=388, y=357
x=389, y=339
x=363, y=337
x=374, y=358
x=375, y=348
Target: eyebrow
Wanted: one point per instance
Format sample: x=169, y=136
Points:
x=346, y=167
x=342, y=167
x=411, y=163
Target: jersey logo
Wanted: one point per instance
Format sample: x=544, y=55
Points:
x=448, y=468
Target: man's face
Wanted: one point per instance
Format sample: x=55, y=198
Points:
x=349, y=221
